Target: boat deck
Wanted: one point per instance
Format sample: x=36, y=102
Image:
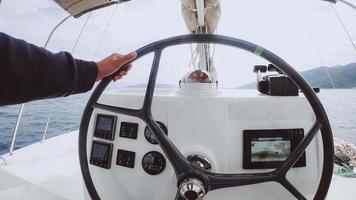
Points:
x=50, y=170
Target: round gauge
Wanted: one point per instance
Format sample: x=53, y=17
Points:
x=153, y=163
x=150, y=137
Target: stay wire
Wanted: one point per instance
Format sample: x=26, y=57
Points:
x=105, y=30
x=308, y=34
x=348, y=3
x=54, y=30
x=80, y=33
x=344, y=26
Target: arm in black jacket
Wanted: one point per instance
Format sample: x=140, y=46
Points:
x=28, y=72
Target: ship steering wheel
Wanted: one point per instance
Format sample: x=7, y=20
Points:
x=183, y=169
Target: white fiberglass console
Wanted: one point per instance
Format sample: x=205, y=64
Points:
x=125, y=164
x=200, y=142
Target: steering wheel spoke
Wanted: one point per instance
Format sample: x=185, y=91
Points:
x=179, y=163
x=290, y=187
x=119, y=110
x=300, y=149
x=152, y=82
x=219, y=181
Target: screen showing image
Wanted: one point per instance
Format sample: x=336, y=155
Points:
x=270, y=149
x=105, y=123
x=100, y=152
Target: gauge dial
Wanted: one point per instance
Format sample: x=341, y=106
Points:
x=153, y=163
x=150, y=137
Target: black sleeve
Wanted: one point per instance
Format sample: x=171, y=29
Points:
x=28, y=72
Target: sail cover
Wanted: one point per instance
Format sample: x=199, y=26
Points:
x=79, y=7
x=212, y=14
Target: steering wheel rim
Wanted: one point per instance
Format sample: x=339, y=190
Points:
x=182, y=167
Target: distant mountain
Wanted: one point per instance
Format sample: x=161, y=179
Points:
x=342, y=76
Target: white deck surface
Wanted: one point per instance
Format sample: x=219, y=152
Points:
x=50, y=171
x=51, y=167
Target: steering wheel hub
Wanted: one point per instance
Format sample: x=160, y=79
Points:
x=192, y=189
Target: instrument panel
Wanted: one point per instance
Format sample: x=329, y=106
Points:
x=262, y=149
x=153, y=162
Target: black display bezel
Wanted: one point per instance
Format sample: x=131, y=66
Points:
x=293, y=135
x=105, y=162
x=105, y=134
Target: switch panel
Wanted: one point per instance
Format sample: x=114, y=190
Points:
x=125, y=158
x=128, y=130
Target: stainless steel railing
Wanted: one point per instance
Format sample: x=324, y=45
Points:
x=14, y=135
x=16, y=129
x=45, y=131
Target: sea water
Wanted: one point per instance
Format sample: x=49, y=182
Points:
x=66, y=114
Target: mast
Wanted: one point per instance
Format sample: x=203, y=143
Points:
x=201, y=17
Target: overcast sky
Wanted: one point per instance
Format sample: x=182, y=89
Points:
x=306, y=33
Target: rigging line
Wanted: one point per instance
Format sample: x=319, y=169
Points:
x=105, y=29
x=348, y=3
x=80, y=34
x=308, y=34
x=193, y=52
x=214, y=45
x=54, y=30
x=194, y=56
x=344, y=26
x=191, y=56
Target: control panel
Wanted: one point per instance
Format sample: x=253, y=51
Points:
x=153, y=162
x=265, y=149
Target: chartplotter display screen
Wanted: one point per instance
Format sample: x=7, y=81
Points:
x=264, y=149
x=270, y=149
